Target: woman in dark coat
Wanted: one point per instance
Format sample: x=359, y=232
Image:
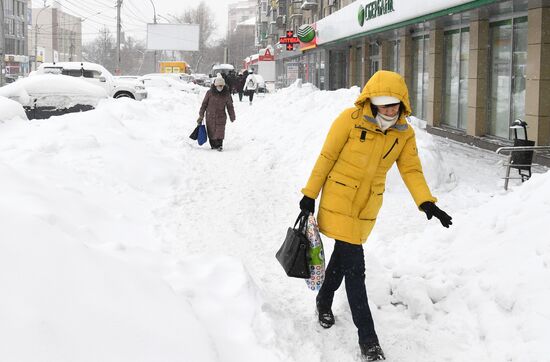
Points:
x=216, y=101
x=240, y=84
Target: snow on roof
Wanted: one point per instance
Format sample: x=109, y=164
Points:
x=250, y=21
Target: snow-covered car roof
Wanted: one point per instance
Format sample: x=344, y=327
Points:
x=74, y=65
x=170, y=82
x=56, y=90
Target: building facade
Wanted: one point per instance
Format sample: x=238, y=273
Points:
x=472, y=67
x=241, y=31
x=56, y=36
x=16, y=60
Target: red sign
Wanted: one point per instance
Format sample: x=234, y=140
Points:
x=289, y=40
x=266, y=56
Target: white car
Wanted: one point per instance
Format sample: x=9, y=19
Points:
x=43, y=96
x=168, y=82
x=97, y=74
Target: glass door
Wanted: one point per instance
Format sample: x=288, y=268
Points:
x=420, y=76
x=508, y=62
x=455, y=87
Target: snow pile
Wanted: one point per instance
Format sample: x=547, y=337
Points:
x=119, y=231
x=11, y=109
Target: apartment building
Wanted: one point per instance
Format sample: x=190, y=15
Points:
x=16, y=60
x=55, y=36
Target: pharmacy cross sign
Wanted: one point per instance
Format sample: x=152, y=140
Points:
x=289, y=40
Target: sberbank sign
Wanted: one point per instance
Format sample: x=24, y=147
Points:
x=373, y=10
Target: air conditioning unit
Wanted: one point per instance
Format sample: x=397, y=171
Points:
x=309, y=4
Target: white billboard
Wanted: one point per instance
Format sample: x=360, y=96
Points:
x=173, y=37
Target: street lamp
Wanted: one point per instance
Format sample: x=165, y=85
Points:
x=36, y=36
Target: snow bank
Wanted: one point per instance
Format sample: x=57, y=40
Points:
x=119, y=231
x=11, y=109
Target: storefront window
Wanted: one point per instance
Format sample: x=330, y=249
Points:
x=374, y=57
x=420, y=81
x=455, y=97
x=358, y=66
x=393, y=56
x=337, y=69
x=507, y=73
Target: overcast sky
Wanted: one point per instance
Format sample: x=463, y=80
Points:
x=135, y=13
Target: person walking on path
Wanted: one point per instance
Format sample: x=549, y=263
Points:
x=362, y=145
x=250, y=86
x=240, y=84
x=215, y=103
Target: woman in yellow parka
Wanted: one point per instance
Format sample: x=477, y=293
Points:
x=360, y=148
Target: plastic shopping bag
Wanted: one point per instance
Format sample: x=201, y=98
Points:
x=202, y=137
x=316, y=255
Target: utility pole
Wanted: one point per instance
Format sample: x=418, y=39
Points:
x=118, y=30
x=2, y=43
x=155, y=51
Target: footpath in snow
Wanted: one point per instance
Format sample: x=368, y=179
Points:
x=123, y=240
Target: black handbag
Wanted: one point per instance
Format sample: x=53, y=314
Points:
x=195, y=134
x=293, y=254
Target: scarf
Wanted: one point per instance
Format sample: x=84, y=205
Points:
x=385, y=122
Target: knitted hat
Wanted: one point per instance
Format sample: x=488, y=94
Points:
x=219, y=81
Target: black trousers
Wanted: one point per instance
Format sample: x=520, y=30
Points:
x=348, y=261
x=251, y=95
x=215, y=143
x=240, y=95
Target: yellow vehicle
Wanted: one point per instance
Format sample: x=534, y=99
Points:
x=174, y=67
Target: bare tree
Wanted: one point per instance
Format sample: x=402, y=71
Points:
x=101, y=50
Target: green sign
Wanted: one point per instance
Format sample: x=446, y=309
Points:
x=373, y=10
x=361, y=15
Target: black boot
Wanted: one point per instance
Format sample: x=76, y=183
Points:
x=371, y=352
x=326, y=318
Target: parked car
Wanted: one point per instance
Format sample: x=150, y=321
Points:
x=164, y=82
x=199, y=78
x=184, y=77
x=43, y=96
x=96, y=74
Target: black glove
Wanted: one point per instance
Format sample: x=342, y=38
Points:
x=199, y=120
x=431, y=210
x=307, y=204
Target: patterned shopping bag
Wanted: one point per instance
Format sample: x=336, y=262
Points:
x=316, y=255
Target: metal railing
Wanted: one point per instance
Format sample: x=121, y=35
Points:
x=510, y=164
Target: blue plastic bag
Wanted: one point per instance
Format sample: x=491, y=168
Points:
x=202, y=135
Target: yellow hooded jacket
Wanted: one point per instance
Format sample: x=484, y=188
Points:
x=355, y=159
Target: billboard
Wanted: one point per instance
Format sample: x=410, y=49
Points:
x=173, y=37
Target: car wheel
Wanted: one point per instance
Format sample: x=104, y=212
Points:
x=124, y=95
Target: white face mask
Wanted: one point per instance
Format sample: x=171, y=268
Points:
x=219, y=88
x=386, y=122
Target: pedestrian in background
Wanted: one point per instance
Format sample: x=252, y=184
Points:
x=361, y=146
x=240, y=84
x=250, y=86
x=216, y=102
